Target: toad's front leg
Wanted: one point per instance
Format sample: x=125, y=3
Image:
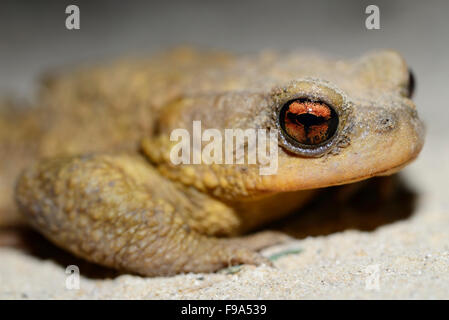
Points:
x=100, y=207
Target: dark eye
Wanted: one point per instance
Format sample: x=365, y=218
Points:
x=308, y=122
x=411, y=83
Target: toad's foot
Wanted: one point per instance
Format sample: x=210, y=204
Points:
x=260, y=240
x=100, y=208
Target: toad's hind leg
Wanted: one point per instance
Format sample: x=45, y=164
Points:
x=100, y=208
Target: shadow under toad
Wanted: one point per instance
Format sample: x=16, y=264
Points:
x=362, y=206
x=32, y=243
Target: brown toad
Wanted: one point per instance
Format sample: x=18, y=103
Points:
x=89, y=190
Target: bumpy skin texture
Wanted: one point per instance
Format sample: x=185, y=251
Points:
x=93, y=195
x=102, y=208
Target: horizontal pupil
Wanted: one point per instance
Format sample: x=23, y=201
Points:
x=308, y=126
x=309, y=122
x=306, y=119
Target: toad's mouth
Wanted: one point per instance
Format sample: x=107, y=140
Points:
x=380, y=156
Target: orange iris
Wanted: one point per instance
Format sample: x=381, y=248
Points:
x=310, y=122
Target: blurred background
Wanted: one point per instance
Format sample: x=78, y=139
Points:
x=33, y=36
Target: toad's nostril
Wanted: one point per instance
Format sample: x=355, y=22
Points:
x=385, y=123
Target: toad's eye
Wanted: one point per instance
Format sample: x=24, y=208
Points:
x=308, y=122
x=411, y=84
